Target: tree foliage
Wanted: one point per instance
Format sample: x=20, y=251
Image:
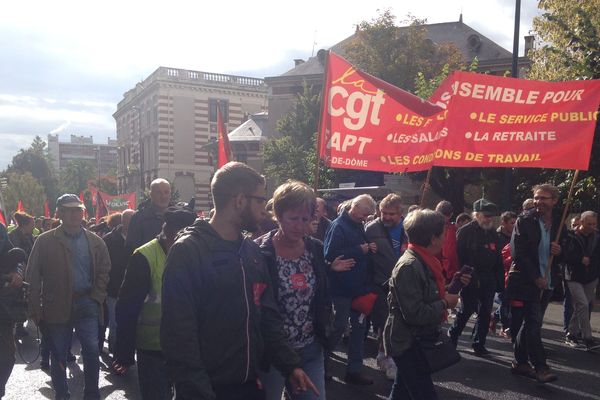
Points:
x=569, y=49
x=75, y=176
x=35, y=160
x=24, y=186
x=397, y=54
x=292, y=156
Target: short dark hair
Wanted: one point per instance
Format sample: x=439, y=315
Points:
x=463, y=217
x=422, y=225
x=232, y=179
x=392, y=200
x=507, y=216
x=22, y=218
x=293, y=194
x=445, y=208
x=546, y=187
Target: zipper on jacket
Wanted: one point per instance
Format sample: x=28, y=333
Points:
x=247, y=314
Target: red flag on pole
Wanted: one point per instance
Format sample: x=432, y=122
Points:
x=46, y=209
x=101, y=209
x=224, y=149
x=20, y=206
x=2, y=219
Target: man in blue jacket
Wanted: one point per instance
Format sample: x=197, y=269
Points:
x=346, y=237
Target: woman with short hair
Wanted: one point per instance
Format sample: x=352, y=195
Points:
x=418, y=302
x=298, y=272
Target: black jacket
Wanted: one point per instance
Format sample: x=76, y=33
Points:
x=479, y=248
x=525, y=267
x=145, y=224
x=321, y=304
x=119, y=256
x=579, y=246
x=219, y=316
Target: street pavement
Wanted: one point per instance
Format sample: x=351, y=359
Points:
x=472, y=378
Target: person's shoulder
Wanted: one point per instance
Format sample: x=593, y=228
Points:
x=374, y=225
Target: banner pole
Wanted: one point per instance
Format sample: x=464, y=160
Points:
x=321, y=118
x=562, y=220
x=426, y=187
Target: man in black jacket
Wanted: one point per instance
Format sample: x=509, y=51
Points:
x=477, y=246
x=119, y=255
x=219, y=316
x=147, y=221
x=531, y=280
x=582, y=258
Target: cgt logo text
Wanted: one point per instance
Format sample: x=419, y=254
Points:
x=349, y=162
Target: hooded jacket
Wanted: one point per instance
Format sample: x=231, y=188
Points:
x=219, y=316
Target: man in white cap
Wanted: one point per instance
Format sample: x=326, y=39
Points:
x=72, y=265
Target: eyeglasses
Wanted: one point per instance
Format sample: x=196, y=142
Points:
x=257, y=198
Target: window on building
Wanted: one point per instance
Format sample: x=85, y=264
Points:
x=212, y=110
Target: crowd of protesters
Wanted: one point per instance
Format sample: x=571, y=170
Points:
x=251, y=302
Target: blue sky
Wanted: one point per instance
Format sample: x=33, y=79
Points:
x=66, y=64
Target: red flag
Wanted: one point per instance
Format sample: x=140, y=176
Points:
x=101, y=209
x=224, y=149
x=82, y=199
x=20, y=206
x=46, y=209
x=2, y=219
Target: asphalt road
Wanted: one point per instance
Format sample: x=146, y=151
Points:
x=472, y=378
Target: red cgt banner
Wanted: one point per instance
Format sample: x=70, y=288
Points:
x=368, y=124
x=478, y=121
x=506, y=122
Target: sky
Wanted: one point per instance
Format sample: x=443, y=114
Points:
x=66, y=64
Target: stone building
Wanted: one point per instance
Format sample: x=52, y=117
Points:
x=82, y=148
x=165, y=125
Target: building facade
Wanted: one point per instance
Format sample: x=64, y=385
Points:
x=165, y=125
x=82, y=148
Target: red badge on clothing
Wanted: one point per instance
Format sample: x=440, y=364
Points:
x=298, y=281
x=257, y=290
x=493, y=246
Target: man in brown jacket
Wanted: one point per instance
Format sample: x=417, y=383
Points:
x=72, y=266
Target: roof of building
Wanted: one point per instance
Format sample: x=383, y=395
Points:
x=248, y=131
x=470, y=42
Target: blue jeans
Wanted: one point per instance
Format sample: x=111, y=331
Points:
x=84, y=319
x=311, y=361
x=152, y=375
x=411, y=382
x=528, y=343
x=356, y=344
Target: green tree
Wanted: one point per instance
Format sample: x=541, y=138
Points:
x=397, y=54
x=75, y=176
x=292, y=156
x=569, y=33
x=23, y=186
x=36, y=161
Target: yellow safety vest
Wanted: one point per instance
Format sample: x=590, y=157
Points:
x=148, y=325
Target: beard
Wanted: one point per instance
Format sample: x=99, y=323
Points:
x=486, y=226
x=249, y=222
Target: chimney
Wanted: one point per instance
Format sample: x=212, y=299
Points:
x=529, y=44
x=298, y=61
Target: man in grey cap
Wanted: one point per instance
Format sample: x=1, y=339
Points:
x=71, y=264
x=477, y=246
